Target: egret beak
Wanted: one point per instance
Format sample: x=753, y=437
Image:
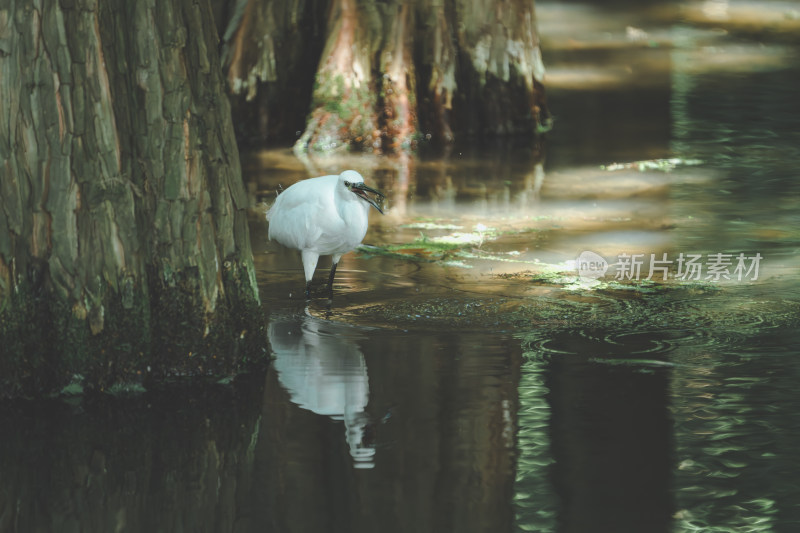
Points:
x=361, y=190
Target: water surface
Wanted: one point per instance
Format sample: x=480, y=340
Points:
x=484, y=386
x=558, y=405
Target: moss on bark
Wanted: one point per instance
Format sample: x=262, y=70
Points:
x=344, y=101
x=148, y=336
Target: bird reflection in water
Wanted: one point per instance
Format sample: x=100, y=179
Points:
x=321, y=366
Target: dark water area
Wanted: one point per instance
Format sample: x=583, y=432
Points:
x=492, y=386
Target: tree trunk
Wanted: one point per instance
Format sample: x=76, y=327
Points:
x=499, y=69
x=394, y=72
x=344, y=102
x=124, y=247
x=437, y=51
x=267, y=46
x=397, y=98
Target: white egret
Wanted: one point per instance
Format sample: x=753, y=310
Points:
x=323, y=216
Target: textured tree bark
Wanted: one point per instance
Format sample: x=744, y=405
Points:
x=124, y=247
x=436, y=54
x=499, y=69
x=344, y=102
x=267, y=47
x=398, y=112
x=394, y=72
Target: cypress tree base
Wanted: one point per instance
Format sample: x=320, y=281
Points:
x=143, y=342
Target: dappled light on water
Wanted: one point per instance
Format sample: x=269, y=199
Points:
x=595, y=332
x=648, y=397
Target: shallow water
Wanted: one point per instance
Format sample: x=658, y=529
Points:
x=485, y=386
x=558, y=404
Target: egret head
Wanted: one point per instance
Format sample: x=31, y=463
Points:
x=354, y=182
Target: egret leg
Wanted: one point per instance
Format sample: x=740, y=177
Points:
x=309, y=264
x=330, y=279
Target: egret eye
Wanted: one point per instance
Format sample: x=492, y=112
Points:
x=347, y=184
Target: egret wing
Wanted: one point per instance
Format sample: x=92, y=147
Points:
x=300, y=214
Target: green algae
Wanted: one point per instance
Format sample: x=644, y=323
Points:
x=662, y=165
